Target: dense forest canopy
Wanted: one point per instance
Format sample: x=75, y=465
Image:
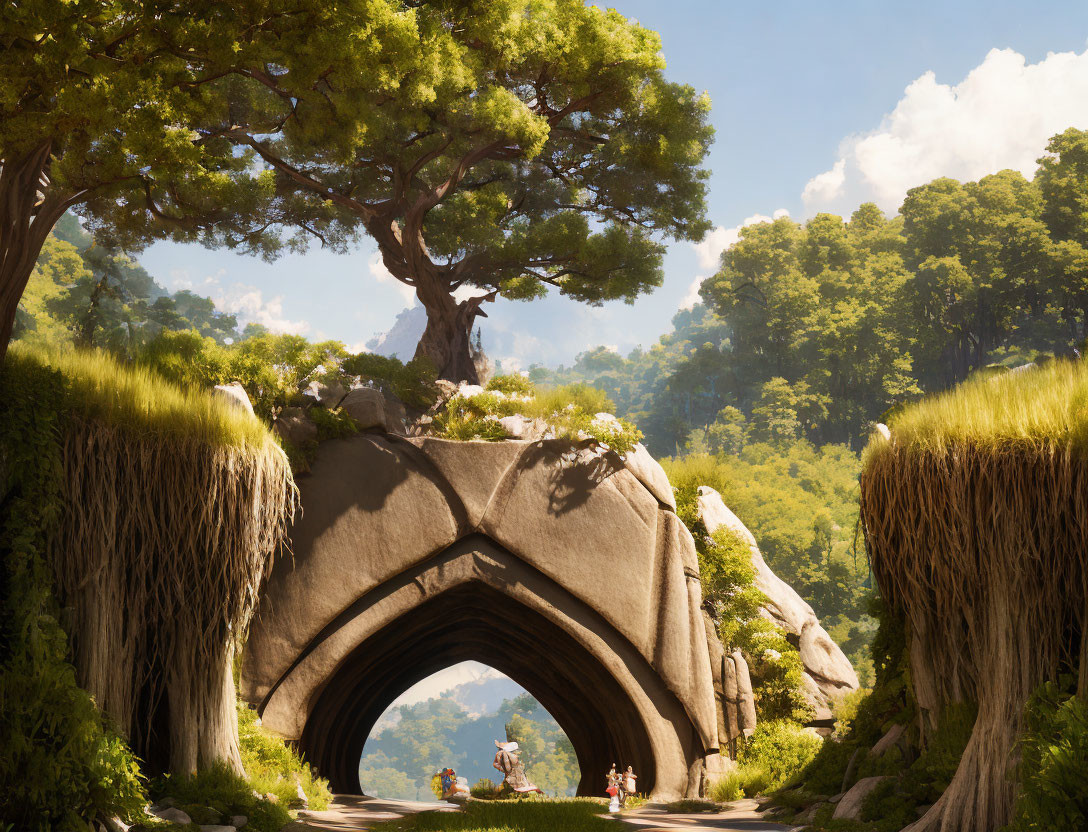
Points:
x=816, y=329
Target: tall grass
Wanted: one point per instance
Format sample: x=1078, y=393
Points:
x=138, y=399
x=1043, y=407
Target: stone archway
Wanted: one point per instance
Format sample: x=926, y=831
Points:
x=577, y=580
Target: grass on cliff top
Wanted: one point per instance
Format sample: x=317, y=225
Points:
x=137, y=399
x=522, y=815
x=1042, y=408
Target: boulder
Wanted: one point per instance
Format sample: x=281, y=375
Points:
x=522, y=427
x=396, y=416
x=238, y=821
x=824, y=662
x=172, y=815
x=648, y=472
x=746, y=700
x=330, y=395
x=849, y=807
x=235, y=395
x=295, y=426
x=366, y=407
x=215, y=827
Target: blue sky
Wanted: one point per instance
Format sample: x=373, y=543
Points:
x=817, y=106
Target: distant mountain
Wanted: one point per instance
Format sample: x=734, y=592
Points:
x=400, y=340
x=484, y=696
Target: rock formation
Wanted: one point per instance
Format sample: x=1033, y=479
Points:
x=576, y=579
x=828, y=674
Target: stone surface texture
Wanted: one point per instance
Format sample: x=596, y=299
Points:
x=828, y=674
x=366, y=407
x=849, y=807
x=295, y=426
x=577, y=579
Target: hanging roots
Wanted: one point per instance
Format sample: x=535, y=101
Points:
x=161, y=552
x=983, y=548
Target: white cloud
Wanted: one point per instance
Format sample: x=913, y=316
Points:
x=249, y=305
x=709, y=251
x=827, y=185
x=380, y=273
x=1000, y=116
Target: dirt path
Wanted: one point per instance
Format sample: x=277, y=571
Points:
x=351, y=813
x=740, y=817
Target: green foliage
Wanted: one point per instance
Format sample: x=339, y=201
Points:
x=782, y=748
x=226, y=794
x=488, y=159
x=776, y=674
x=412, y=383
x=332, y=424
x=103, y=388
x=484, y=789
x=1054, y=759
x=512, y=385
x=728, y=788
x=727, y=576
x=800, y=502
x=61, y=765
x=275, y=370
x=1039, y=408
x=273, y=767
x=575, y=412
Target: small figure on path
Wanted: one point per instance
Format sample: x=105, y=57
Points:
x=628, y=787
x=613, y=789
x=513, y=772
x=454, y=789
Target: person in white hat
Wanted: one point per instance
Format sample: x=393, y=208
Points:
x=508, y=762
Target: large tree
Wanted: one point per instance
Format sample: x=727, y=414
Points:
x=98, y=104
x=501, y=146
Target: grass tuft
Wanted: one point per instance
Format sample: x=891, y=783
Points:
x=138, y=399
x=1044, y=407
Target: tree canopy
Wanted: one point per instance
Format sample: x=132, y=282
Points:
x=502, y=147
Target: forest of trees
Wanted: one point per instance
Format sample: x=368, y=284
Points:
x=439, y=732
x=815, y=330
x=811, y=332
x=808, y=333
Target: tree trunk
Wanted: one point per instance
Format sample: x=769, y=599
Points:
x=28, y=212
x=445, y=342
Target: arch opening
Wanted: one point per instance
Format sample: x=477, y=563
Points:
x=474, y=622
x=451, y=719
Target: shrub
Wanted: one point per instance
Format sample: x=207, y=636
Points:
x=575, y=412
x=274, y=767
x=516, y=385
x=332, y=423
x=483, y=789
x=728, y=788
x=225, y=794
x=1054, y=749
x=783, y=748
